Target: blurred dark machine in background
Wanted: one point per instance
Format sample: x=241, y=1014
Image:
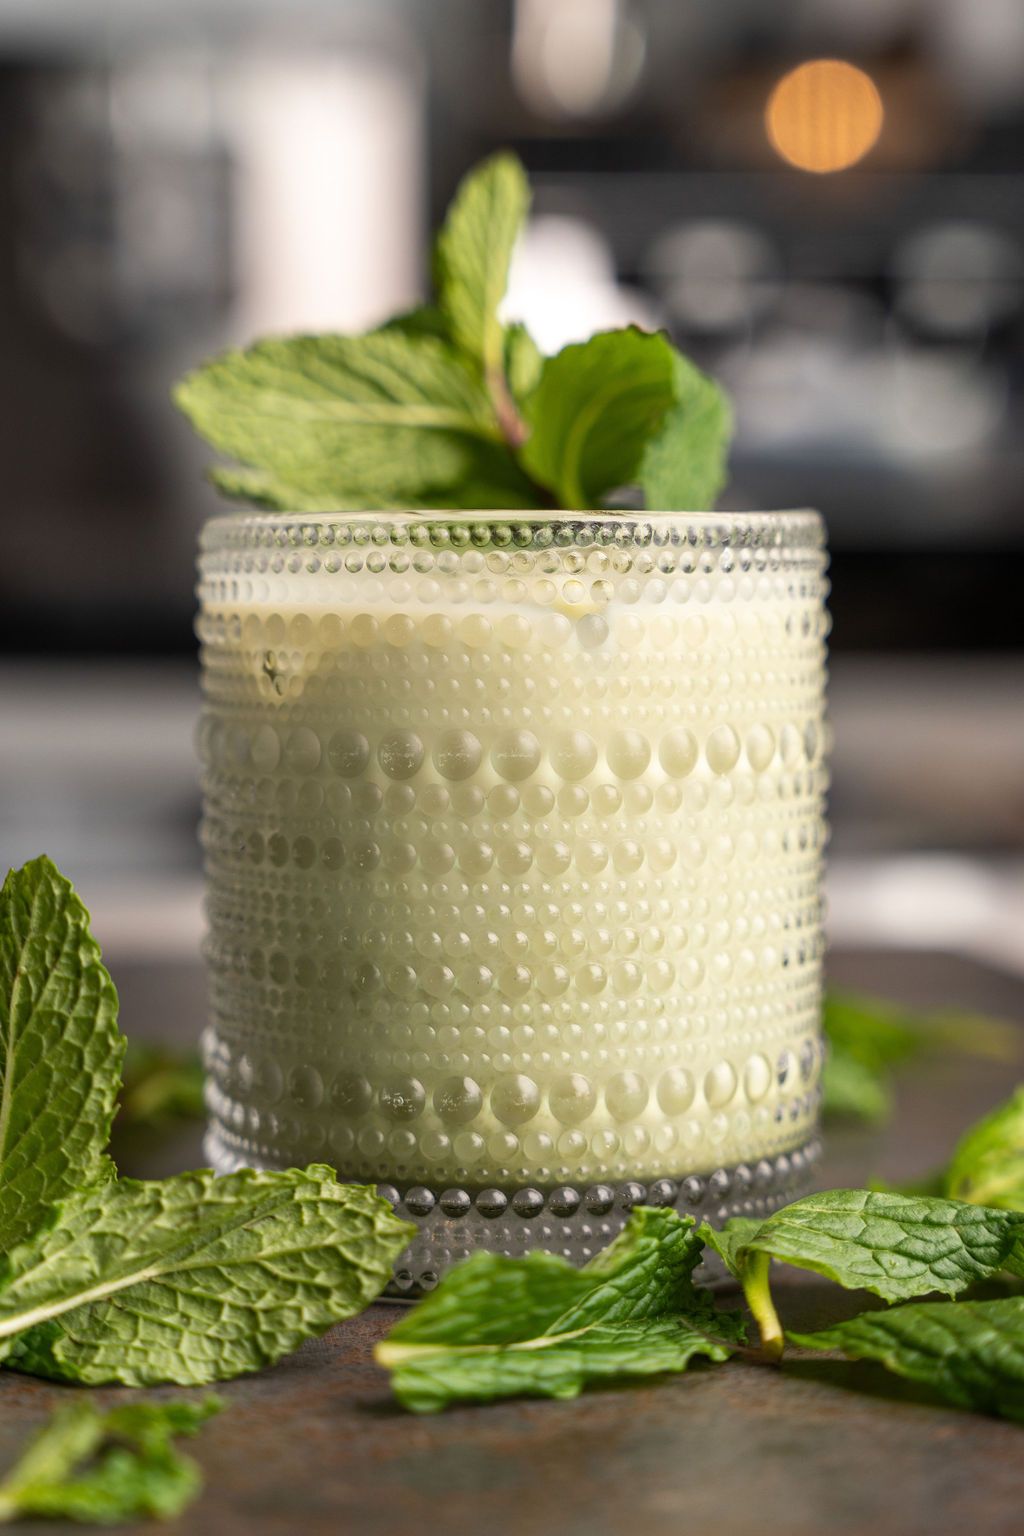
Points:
x=177, y=178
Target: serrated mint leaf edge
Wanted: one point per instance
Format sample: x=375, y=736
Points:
x=87, y=1129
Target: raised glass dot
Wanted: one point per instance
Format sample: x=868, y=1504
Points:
x=516, y=755
x=723, y=749
x=515, y=1099
x=678, y=753
x=574, y=755
x=348, y=753
x=400, y=754
x=458, y=1100
x=457, y=755
x=402, y=1098
x=571, y=1098
x=720, y=1084
x=757, y=1078
x=676, y=1089
x=625, y=1095
x=629, y=753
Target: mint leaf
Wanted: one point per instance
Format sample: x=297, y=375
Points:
x=729, y=1241
x=60, y=1050
x=972, y=1352
x=194, y=1278
x=524, y=363
x=473, y=253
x=852, y=1090
x=987, y=1166
x=107, y=1467
x=896, y=1246
x=160, y=1084
x=592, y=412
x=385, y=420
x=561, y=1365
x=684, y=464
x=508, y=1327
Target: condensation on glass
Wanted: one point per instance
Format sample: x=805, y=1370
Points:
x=513, y=834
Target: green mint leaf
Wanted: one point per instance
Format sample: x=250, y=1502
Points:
x=424, y=320
x=684, y=463
x=524, y=363
x=427, y=1380
x=160, y=1084
x=194, y=1279
x=500, y=1327
x=972, y=1352
x=896, y=1246
x=60, y=1049
x=107, y=1467
x=987, y=1166
x=384, y=420
x=729, y=1241
x=880, y=1035
x=472, y=256
x=751, y=1269
x=852, y=1090
x=592, y=412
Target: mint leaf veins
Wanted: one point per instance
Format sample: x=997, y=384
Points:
x=971, y=1352
x=60, y=1049
x=194, y=1278
x=537, y=1327
x=448, y=406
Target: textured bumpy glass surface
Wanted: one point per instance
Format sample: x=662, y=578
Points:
x=513, y=836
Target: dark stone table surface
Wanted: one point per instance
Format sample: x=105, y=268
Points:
x=818, y=1448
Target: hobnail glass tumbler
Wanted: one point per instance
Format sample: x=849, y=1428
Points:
x=513, y=834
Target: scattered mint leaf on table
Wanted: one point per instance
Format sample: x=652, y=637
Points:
x=987, y=1166
x=684, y=464
x=105, y=1467
x=60, y=1049
x=194, y=1278
x=869, y=1039
x=972, y=1352
x=160, y=1084
x=593, y=409
x=896, y=1246
x=537, y=1327
x=851, y=1090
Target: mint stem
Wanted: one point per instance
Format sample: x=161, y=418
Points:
x=757, y=1289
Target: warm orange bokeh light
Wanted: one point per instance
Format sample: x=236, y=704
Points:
x=824, y=115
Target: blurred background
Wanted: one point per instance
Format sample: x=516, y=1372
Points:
x=844, y=247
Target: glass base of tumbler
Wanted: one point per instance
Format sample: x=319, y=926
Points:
x=576, y=1222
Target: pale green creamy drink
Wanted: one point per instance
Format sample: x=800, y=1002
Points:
x=513, y=835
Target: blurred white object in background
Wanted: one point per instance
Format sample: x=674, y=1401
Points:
x=330, y=217
x=715, y=274
x=576, y=58
x=958, y=278
x=563, y=285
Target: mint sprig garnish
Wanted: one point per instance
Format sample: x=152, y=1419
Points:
x=449, y=406
x=537, y=1327
x=60, y=1049
x=103, y=1467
